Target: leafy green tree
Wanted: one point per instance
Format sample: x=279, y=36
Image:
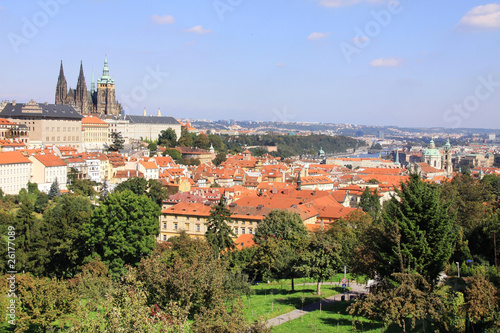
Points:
x=219, y=158
x=83, y=187
x=202, y=141
x=175, y=154
x=137, y=185
x=117, y=141
x=408, y=297
x=41, y=203
x=216, y=142
x=156, y=192
x=65, y=223
x=482, y=302
x=42, y=301
x=186, y=139
x=123, y=229
x=125, y=310
x=418, y=232
x=352, y=234
x=54, y=190
x=152, y=147
x=321, y=259
x=370, y=203
x=218, y=233
x=167, y=138
x=281, y=236
x=31, y=243
x=187, y=272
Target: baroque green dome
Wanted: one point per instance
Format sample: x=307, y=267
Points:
x=432, y=151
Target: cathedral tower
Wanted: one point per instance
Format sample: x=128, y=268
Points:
x=106, y=100
x=62, y=87
x=81, y=98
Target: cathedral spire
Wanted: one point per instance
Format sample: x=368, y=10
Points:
x=81, y=99
x=62, y=87
x=159, y=113
x=105, y=78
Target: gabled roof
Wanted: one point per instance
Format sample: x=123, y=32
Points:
x=49, y=160
x=13, y=157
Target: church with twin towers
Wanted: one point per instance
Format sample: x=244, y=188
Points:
x=100, y=100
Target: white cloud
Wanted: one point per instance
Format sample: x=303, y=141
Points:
x=360, y=40
x=166, y=19
x=318, y=35
x=199, y=30
x=482, y=17
x=345, y=3
x=386, y=62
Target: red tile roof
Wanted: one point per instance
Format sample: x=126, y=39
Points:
x=49, y=160
x=13, y=157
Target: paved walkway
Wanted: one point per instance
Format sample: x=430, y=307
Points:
x=356, y=289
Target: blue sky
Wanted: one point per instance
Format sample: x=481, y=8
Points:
x=372, y=62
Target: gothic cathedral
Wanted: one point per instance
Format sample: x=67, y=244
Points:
x=96, y=101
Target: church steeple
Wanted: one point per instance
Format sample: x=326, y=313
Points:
x=299, y=183
x=105, y=78
x=62, y=87
x=81, y=99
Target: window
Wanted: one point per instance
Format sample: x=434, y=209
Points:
x=175, y=226
x=164, y=237
x=164, y=226
x=175, y=217
x=197, y=219
x=197, y=227
x=236, y=230
x=242, y=230
x=187, y=218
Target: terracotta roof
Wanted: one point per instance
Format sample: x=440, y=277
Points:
x=13, y=157
x=49, y=160
x=245, y=240
x=91, y=120
x=149, y=165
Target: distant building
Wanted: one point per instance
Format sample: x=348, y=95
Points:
x=134, y=128
x=46, y=169
x=47, y=124
x=100, y=100
x=15, y=172
x=95, y=133
x=432, y=156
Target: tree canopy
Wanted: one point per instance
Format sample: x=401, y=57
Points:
x=123, y=229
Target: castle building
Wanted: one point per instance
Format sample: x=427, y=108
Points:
x=47, y=124
x=96, y=101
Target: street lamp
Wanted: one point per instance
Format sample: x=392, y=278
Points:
x=458, y=266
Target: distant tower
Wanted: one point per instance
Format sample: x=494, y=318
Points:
x=321, y=152
x=212, y=150
x=447, y=159
x=299, y=183
x=159, y=113
x=81, y=98
x=396, y=162
x=106, y=101
x=144, y=113
x=62, y=87
x=432, y=156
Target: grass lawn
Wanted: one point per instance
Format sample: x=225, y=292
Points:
x=276, y=298
x=333, y=318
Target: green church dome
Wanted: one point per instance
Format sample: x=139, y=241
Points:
x=432, y=151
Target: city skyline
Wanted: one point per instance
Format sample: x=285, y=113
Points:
x=364, y=62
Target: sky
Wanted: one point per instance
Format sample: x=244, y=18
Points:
x=412, y=63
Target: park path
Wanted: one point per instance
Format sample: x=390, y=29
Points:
x=356, y=289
